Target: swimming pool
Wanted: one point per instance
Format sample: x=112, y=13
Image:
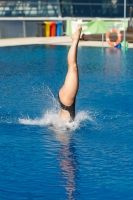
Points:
x=93, y=159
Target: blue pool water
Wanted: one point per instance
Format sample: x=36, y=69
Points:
x=43, y=159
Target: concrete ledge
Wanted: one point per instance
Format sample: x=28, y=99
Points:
x=62, y=40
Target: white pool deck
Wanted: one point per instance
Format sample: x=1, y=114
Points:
x=61, y=40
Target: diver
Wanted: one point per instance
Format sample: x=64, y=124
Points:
x=67, y=93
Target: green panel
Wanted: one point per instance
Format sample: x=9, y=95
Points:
x=96, y=26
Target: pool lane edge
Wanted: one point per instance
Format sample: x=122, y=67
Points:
x=61, y=40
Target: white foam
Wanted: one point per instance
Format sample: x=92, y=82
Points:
x=51, y=118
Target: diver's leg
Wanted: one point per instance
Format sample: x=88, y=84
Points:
x=69, y=90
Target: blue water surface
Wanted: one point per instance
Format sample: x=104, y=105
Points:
x=40, y=159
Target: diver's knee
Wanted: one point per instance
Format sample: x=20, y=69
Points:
x=73, y=67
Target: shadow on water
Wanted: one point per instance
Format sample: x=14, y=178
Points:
x=68, y=164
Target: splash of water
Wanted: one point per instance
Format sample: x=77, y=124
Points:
x=51, y=117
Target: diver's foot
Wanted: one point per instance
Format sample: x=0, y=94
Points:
x=76, y=35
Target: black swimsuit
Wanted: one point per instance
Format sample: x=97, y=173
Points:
x=70, y=109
